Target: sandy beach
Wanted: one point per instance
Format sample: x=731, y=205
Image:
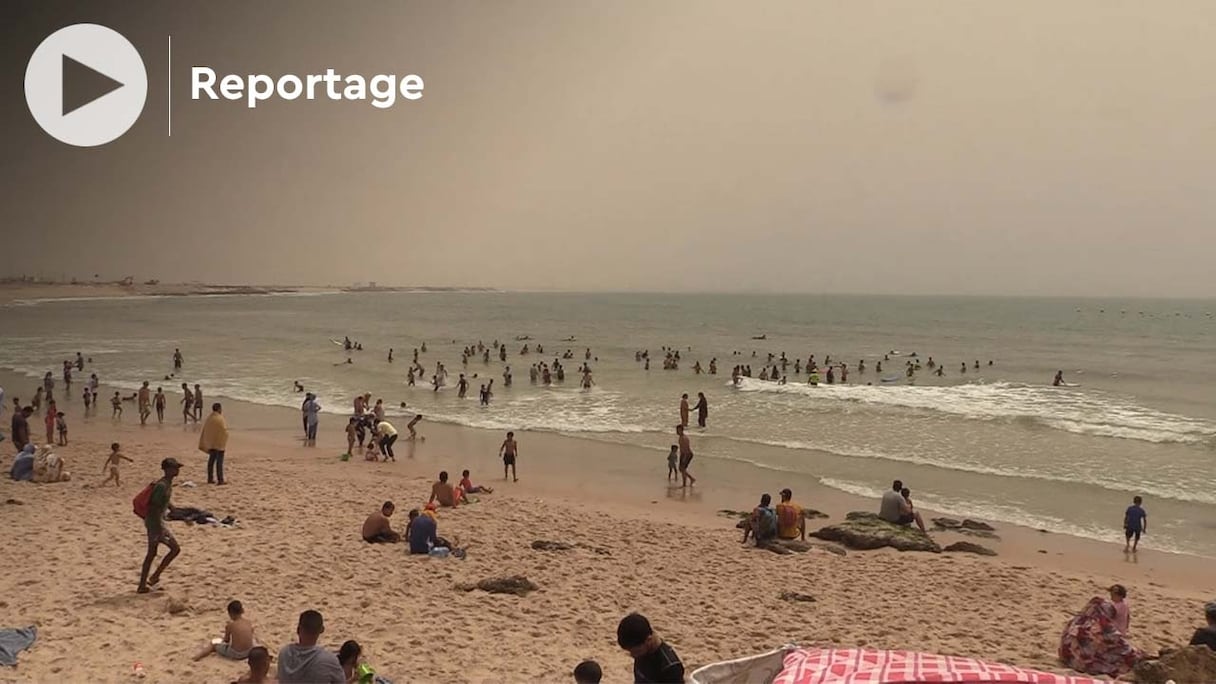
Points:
x=75, y=549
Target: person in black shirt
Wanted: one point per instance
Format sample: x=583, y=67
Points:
x=654, y=661
x=1206, y=636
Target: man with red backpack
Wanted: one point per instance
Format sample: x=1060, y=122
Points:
x=152, y=504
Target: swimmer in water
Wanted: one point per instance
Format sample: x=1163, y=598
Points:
x=1059, y=379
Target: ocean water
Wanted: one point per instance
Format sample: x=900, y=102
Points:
x=998, y=442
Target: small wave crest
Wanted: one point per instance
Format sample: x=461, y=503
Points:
x=1086, y=413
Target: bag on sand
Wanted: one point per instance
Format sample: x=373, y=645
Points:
x=141, y=501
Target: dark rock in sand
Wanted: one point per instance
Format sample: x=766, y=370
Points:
x=982, y=534
x=978, y=525
x=947, y=523
x=832, y=549
x=516, y=584
x=1187, y=664
x=595, y=549
x=785, y=547
x=807, y=514
x=541, y=545
x=175, y=606
x=14, y=502
x=864, y=531
x=968, y=547
x=795, y=596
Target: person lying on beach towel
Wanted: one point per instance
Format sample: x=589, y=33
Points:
x=1092, y=644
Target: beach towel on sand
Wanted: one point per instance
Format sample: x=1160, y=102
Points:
x=14, y=641
x=869, y=666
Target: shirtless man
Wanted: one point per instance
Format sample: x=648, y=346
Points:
x=198, y=403
x=158, y=533
x=377, y=529
x=187, y=404
x=509, y=452
x=685, y=458
x=684, y=409
x=443, y=492
x=145, y=403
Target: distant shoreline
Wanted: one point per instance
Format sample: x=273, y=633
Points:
x=15, y=291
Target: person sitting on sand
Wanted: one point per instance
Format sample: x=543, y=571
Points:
x=1123, y=612
x=348, y=657
x=377, y=529
x=304, y=662
x=1206, y=636
x=791, y=523
x=654, y=660
x=443, y=492
x=422, y=532
x=469, y=488
x=588, y=672
x=762, y=524
x=907, y=513
x=259, y=668
x=238, y=636
x=1092, y=644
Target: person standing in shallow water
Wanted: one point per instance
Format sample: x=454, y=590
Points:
x=702, y=409
x=685, y=458
x=684, y=409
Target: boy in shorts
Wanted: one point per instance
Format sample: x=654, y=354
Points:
x=112, y=465
x=61, y=425
x=1135, y=523
x=238, y=636
x=672, y=457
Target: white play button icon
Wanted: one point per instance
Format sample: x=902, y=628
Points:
x=85, y=85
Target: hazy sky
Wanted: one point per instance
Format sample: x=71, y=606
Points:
x=1042, y=147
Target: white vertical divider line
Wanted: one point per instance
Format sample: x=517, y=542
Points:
x=169, y=96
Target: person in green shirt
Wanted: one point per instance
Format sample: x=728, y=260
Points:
x=158, y=505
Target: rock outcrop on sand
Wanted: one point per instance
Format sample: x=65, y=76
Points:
x=968, y=547
x=973, y=528
x=515, y=584
x=793, y=596
x=542, y=545
x=864, y=531
x=1187, y=664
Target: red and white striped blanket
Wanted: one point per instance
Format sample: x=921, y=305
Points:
x=869, y=666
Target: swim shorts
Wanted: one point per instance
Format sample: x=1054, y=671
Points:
x=685, y=460
x=1132, y=532
x=508, y=459
x=905, y=520
x=161, y=536
x=226, y=651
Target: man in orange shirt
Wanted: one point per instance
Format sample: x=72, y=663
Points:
x=790, y=522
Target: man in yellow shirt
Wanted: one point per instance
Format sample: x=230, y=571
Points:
x=790, y=522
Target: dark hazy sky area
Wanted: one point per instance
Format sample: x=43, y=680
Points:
x=998, y=147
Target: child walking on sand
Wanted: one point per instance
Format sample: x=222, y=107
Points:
x=673, y=473
x=352, y=430
x=1135, y=523
x=116, y=404
x=61, y=424
x=112, y=464
x=238, y=636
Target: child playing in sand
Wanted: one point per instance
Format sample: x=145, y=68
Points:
x=672, y=472
x=1123, y=613
x=112, y=463
x=61, y=424
x=238, y=636
x=259, y=668
x=470, y=488
x=116, y=403
x=372, y=452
